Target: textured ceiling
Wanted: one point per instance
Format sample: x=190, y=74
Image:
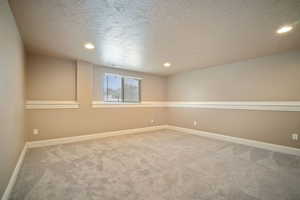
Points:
x=141, y=35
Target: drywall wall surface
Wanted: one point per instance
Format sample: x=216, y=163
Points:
x=271, y=78
x=57, y=123
x=11, y=95
x=50, y=78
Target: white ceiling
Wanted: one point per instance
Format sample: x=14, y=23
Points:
x=141, y=35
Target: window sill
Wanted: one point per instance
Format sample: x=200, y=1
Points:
x=103, y=104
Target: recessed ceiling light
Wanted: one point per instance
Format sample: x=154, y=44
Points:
x=167, y=64
x=284, y=29
x=89, y=46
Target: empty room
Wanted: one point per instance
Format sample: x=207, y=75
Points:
x=149, y=100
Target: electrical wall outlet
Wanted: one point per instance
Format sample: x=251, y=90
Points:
x=36, y=131
x=295, y=136
x=195, y=123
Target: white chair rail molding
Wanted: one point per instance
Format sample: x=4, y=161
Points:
x=51, y=104
x=235, y=105
x=240, y=105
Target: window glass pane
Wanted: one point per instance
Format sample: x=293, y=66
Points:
x=113, y=88
x=131, y=90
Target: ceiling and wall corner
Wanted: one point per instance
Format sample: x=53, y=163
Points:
x=141, y=35
x=61, y=28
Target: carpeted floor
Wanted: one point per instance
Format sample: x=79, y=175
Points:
x=163, y=165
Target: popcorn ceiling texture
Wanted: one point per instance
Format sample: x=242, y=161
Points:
x=141, y=35
x=162, y=165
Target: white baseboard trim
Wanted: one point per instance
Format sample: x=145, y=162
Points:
x=65, y=140
x=254, y=143
x=14, y=175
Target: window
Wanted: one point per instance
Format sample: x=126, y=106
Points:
x=121, y=89
x=131, y=90
x=113, y=88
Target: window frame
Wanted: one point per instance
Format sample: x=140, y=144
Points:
x=122, y=89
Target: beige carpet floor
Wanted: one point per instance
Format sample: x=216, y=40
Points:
x=162, y=165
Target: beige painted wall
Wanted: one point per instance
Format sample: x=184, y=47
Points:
x=50, y=78
x=267, y=126
x=11, y=95
x=87, y=120
x=272, y=78
x=73, y=122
